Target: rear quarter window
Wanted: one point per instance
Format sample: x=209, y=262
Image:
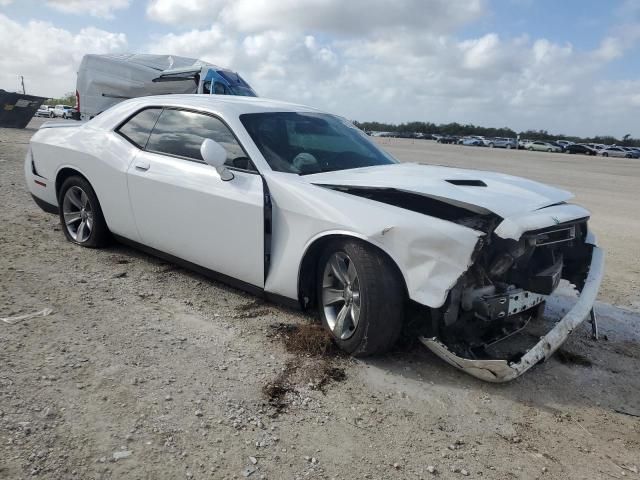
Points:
x=138, y=128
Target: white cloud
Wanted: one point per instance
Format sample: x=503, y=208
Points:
x=336, y=16
x=389, y=61
x=95, y=8
x=4, y=3
x=48, y=57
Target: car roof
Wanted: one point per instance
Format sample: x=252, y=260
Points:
x=228, y=102
x=225, y=105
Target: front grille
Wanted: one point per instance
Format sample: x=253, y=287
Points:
x=556, y=236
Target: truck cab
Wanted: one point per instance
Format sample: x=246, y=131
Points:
x=210, y=80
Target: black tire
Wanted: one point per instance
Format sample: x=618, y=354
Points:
x=381, y=294
x=99, y=235
x=530, y=149
x=605, y=154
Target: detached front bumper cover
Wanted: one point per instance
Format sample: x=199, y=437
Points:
x=499, y=371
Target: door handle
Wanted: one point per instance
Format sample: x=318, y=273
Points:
x=143, y=166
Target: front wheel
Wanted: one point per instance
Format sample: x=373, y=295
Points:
x=605, y=154
x=360, y=297
x=530, y=149
x=80, y=214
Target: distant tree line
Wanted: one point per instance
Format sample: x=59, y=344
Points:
x=469, y=129
x=67, y=99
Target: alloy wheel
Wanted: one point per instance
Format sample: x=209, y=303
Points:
x=78, y=214
x=341, y=295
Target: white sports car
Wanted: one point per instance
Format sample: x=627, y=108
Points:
x=299, y=206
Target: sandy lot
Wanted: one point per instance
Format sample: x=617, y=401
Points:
x=145, y=370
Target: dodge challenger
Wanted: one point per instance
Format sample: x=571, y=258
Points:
x=300, y=207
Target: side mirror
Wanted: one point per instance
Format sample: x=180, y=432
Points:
x=215, y=155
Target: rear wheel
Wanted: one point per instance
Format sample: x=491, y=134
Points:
x=360, y=297
x=81, y=215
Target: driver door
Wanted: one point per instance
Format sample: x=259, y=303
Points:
x=183, y=208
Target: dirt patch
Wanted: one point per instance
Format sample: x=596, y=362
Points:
x=256, y=308
x=328, y=375
x=571, y=358
x=305, y=339
x=314, y=366
x=276, y=391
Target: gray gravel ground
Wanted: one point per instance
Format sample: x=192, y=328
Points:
x=145, y=370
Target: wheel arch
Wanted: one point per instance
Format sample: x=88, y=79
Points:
x=307, y=270
x=66, y=172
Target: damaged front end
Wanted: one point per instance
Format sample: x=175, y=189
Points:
x=503, y=294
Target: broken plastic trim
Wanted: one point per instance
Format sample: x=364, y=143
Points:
x=499, y=371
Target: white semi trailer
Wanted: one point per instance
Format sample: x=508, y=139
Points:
x=104, y=80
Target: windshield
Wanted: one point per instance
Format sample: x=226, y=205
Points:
x=306, y=143
x=237, y=84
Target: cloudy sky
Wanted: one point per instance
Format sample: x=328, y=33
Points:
x=570, y=66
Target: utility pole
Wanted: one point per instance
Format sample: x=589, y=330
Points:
x=21, y=84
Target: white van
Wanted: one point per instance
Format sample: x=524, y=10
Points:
x=104, y=80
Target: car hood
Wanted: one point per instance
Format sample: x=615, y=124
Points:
x=475, y=190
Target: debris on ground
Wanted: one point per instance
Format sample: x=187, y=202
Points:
x=571, y=358
x=19, y=318
x=121, y=454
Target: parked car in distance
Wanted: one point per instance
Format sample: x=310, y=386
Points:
x=44, y=111
x=543, y=147
x=634, y=150
x=224, y=185
x=471, y=142
x=502, y=142
x=596, y=146
x=579, y=148
x=448, y=139
x=63, y=111
x=564, y=143
x=618, y=152
x=523, y=142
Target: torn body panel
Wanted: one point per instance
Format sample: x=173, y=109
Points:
x=431, y=253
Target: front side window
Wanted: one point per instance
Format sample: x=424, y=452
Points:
x=306, y=143
x=138, y=128
x=181, y=133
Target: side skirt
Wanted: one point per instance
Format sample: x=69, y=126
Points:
x=212, y=274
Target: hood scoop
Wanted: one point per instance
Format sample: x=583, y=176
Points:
x=467, y=183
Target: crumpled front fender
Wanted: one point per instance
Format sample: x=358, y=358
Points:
x=498, y=371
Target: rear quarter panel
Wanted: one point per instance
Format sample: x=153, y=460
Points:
x=101, y=156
